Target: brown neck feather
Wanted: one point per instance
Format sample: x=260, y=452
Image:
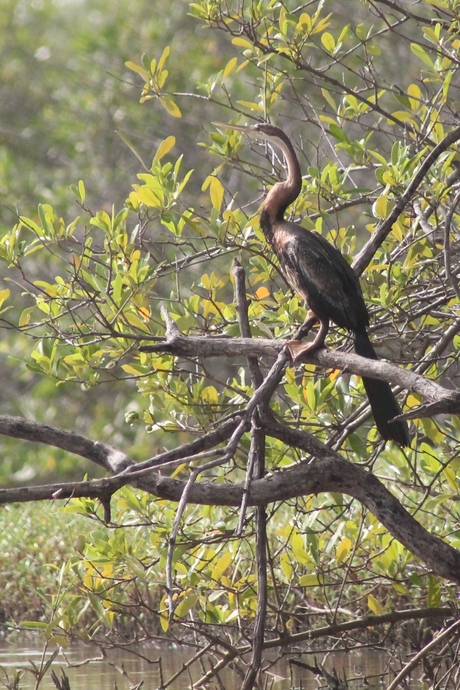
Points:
x=284, y=193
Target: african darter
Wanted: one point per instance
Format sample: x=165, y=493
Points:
x=318, y=272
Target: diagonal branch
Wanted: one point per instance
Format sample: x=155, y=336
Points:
x=326, y=471
x=384, y=228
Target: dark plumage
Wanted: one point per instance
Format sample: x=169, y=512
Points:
x=318, y=272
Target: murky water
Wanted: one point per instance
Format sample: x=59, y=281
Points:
x=126, y=670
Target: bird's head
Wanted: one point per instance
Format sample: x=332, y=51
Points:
x=261, y=130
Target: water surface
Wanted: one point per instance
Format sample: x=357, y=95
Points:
x=126, y=669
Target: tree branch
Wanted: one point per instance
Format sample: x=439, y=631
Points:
x=447, y=401
x=325, y=472
x=384, y=228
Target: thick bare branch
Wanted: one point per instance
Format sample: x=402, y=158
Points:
x=100, y=453
x=325, y=472
x=447, y=401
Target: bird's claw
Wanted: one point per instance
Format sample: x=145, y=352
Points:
x=296, y=349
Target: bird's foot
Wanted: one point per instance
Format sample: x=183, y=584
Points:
x=297, y=349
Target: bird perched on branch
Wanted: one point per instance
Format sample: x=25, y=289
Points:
x=318, y=272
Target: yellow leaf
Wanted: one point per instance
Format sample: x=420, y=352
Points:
x=334, y=374
x=164, y=57
x=229, y=67
x=51, y=290
x=135, y=321
x=375, y=605
x=321, y=25
x=164, y=148
x=81, y=190
x=24, y=319
x=286, y=566
x=209, y=394
x=388, y=178
x=164, y=618
x=328, y=42
x=138, y=69
x=216, y=191
x=451, y=477
x=398, y=231
x=415, y=96
x=175, y=473
x=221, y=566
x=328, y=97
x=242, y=43
x=343, y=549
x=170, y=107
x=148, y=197
x=403, y=116
x=329, y=120
x=412, y=400
x=134, y=200
x=309, y=580
x=132, y=371
x=302, y=556
x=379, y=207
x=4, y=294
x=251, y=105
x=305, y=22
x=145, y=313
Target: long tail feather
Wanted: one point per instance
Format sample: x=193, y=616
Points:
x=382, y=401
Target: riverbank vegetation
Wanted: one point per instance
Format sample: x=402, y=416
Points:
x=167, y=474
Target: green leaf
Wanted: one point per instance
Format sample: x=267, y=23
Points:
x=422, y=54
x=338, y=133
x=186, y=603
x=327, y=96
x=132, y=148
x=434, y=592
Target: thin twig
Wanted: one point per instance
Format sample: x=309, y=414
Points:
x=173, y=536
x=423, y=652
x=256, y=377
x=256, y=470
x=447, y=253
x=243, y=320
x=258, y=451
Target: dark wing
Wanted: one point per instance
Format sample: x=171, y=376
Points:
x=318, y=272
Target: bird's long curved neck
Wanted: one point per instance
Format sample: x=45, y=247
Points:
x=283, y=193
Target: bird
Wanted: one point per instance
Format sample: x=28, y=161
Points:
x=318, y=272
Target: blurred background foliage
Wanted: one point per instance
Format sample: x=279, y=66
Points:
x=88, y=266
x=66, y=102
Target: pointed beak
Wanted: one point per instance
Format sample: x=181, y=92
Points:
x=247, y=129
